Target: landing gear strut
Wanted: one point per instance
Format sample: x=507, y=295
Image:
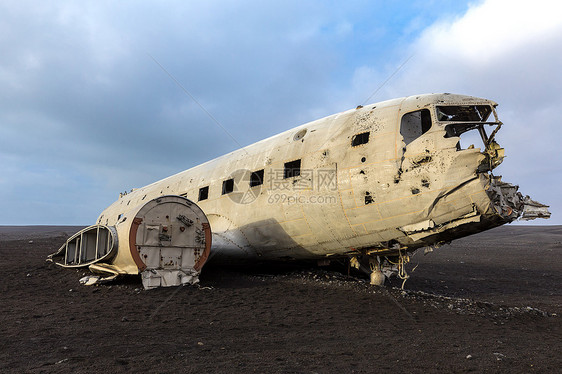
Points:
x=381, y=267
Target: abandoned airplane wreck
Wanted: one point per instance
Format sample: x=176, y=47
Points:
x=372, y=184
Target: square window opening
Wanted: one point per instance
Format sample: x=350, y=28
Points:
x=359, y=139
x=256, y=178
x=228, y=186
x=203, y=193
x=292, y=169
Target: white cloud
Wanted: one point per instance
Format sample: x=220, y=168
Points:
x=492, y=30
x=493, y=48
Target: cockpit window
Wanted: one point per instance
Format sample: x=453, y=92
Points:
x=464, y=113
x=415, y=124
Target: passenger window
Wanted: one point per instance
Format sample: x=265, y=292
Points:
x=227, y=186
x=359, y=139
x=256, y=178
x=415, y=124
x=203, y=193
x=292, y=169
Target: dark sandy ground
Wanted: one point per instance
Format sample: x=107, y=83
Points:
x=487, y=303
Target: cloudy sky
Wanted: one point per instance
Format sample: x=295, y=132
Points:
x=87, y=108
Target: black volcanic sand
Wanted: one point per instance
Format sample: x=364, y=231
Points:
x=487, y=303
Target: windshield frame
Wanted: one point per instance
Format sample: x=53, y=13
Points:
x=467, y=113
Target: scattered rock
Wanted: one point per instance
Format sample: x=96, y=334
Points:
x=499, y=356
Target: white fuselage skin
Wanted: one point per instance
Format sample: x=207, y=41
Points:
x=346, y=198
